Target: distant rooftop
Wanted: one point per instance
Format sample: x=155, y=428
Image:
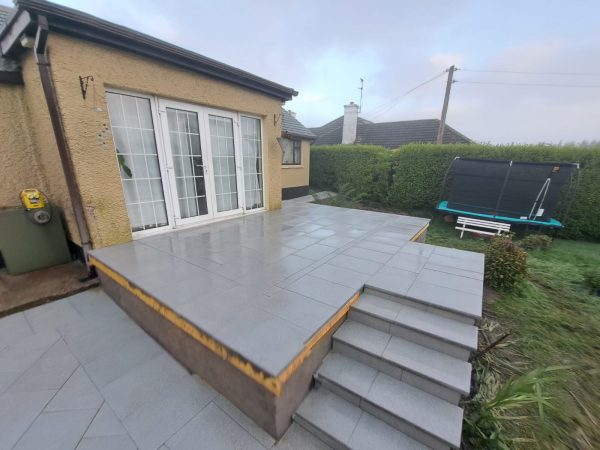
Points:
x=292, y=126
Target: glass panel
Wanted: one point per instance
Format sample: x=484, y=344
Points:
x=187, y=162
x=252, y=160
x=135, y=145
x=223, y=157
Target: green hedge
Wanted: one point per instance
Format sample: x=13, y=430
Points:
x=411, y=177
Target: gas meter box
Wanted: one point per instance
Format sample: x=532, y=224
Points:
x=32, y=237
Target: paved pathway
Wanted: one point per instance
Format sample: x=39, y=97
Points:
x=78, y=373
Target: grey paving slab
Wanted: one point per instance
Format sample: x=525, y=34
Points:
x=416, y=406
x=457, y=282
x=392, y=280
x=363, y=337
x=461, y=254
x=297, y=309
x=336, y=241
x=446, y=298
x=94, y=303
x=177, y=292
x=330, y=413
x=264, y=438
x=369, y=255
x=347, y=372
x=105, y=423
x=378, y=306
x=253, y=333
x=18, y=410
x=315, y=251
x=50, y=316
x=384, y=247
x=59, y=430
x=417, y=249
x=372, y=433
x=457, y=262
x=454, y=271
x=322, y=290
x=14, y=328
x=215, y=430
x=408, y=261
x=78, y=392
x=120, y=442
x=340, y=275
x=297, y=437
x=321, y=233
x=356, y=264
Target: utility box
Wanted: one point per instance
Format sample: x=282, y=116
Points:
x=27, y=246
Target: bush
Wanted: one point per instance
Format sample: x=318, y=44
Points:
x=411, y=177
x=592, y=280
x=505, y=263
x=535, y=242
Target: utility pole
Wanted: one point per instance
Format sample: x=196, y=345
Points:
x=362, y=82
x=440, y=136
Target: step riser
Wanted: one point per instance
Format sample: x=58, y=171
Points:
x=389, y=418
x=410, y=334
x=319, y=433
x=421, y=305
x=393, y=370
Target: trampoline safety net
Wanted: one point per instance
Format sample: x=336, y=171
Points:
x=518, y=190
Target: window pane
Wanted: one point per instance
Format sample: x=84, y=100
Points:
x=252, y=161
x=288, y=151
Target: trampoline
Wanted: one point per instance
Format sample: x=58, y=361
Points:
x=526, y=193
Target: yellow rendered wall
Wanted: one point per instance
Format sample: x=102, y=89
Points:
x=20, y=168
x=293, y=176
x=87, y=126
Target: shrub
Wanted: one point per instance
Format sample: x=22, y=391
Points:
x=592, y=280
x=505, y=263
x=411, y=177
x=535, y=242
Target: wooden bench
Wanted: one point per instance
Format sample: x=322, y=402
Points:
x=481, y=226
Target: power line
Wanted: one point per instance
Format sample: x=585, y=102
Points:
x=507, y=83
x=522, y=72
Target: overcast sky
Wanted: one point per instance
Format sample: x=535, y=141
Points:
x=322, y=48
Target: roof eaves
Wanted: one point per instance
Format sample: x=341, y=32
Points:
x=76, y=23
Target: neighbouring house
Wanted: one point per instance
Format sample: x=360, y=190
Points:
x=295, y=161
x=127, y=134
x=353, y=129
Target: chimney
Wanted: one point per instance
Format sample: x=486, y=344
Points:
x=292, y=113
x=350, y=122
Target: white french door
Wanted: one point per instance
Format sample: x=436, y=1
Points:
x=198, y=163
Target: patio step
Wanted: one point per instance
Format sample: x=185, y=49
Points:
x=432, y=371
x=344, y=425
x=416, y=324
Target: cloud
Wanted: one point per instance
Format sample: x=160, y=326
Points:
x=441, y=61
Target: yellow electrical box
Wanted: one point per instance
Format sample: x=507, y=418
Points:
x=32, y=199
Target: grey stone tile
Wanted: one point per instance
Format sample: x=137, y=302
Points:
x=324, y=291
x=446, y=298
x=13, y=328
x=383, y=247
x=128, y=393
x=178, y=292
x=363, y=337
x=454, y=271
x=321, y=233
x=18, y=410
x=167, y=410
x=340, y=275
x=407, y=261
x=51, y=316
x=356, y=264
x=439, y=367
x=105, y=423
x=459, y=283
x=461, y=254
x=298, y=309
x=94, y=303
x=347, y=372
x=378, y=306
x=416, y=406
x=417, y=249
x=371, y=432
x=57, y=430
x=49, y=372
x=369, y=255
x=77, y=393
x=330, y=413
x=215, y=430
x=265, y=439
x=121, y=442
x=265, y=339
x=457, y=263
x=392, y=280
x=336, y=241
x=315, y=251
x=297, y=437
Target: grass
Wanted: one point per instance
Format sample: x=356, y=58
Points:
x=552, y=320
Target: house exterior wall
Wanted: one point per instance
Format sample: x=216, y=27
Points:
x=87, y=127
x=294, y=176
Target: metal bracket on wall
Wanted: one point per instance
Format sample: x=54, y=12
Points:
x=83, y=82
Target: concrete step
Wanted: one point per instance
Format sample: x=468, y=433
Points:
x=434, y=372
x=416, y=324
x=343, y=425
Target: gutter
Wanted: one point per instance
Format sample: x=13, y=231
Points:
x=43, y=61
